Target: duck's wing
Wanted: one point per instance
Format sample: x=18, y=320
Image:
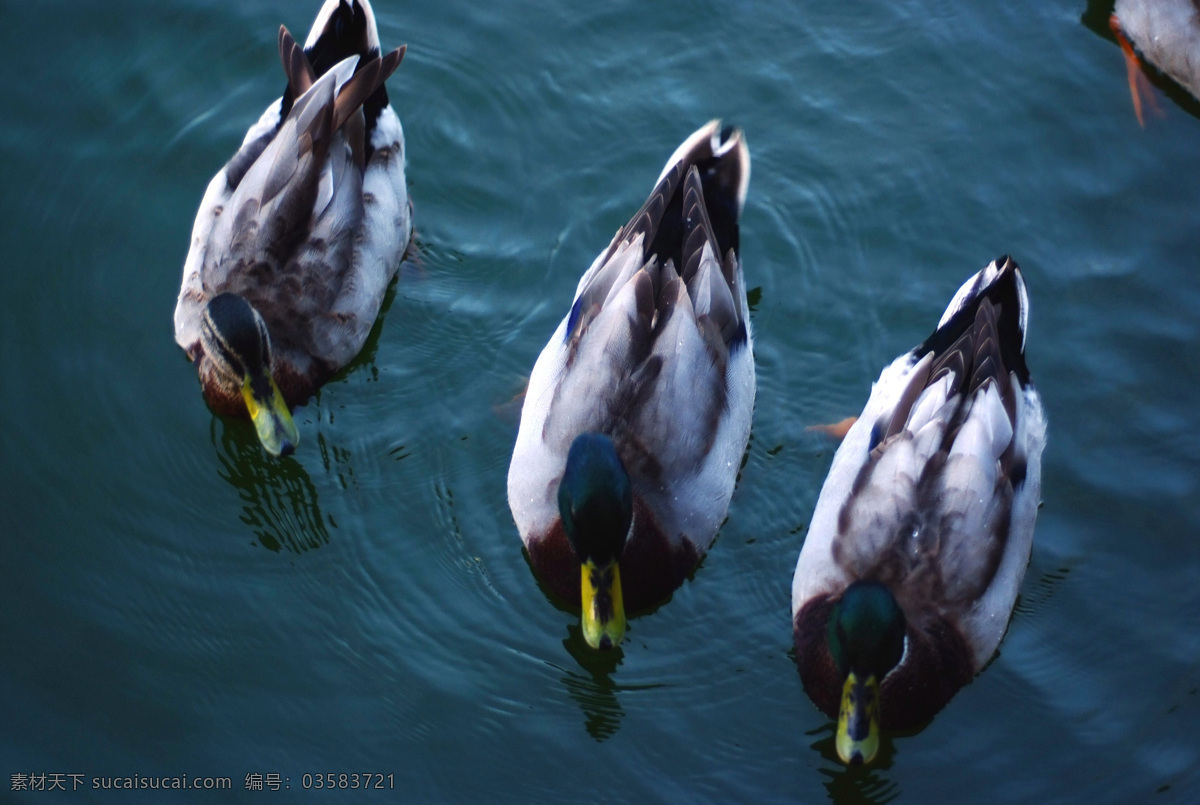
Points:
x=935, y=489
x=286, y=237
x=687, y=427
x=192, y=297
x=378, y=247
x=658, y=358
x=343, y=28
x=375, y=195
x=362, y=218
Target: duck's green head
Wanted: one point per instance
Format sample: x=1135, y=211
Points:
x=595, y=500
x=866, y=640
x=235, y=338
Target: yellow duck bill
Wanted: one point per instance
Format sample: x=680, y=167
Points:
x=858, y=720
x=603, y=607
x=272, y=420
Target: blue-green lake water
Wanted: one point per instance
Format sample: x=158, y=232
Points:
x=174, y=602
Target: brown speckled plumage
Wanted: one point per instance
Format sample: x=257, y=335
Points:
x=932, y=495
x=309, y=220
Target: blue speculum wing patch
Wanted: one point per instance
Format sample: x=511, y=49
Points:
x=573, y=319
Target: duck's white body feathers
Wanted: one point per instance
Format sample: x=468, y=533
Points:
x=935, y=488
x=662, y=363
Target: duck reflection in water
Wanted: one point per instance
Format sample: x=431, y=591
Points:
x=858, y=784
x=924, y=526
x=594, y=690
x=638, y=410
x=279, y=500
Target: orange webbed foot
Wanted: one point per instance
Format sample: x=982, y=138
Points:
x=837, y=430
x=1139, y=85
x=510, y=411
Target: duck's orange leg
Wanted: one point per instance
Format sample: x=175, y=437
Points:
x=837, y=430
x=1139, y=85
x=511, y=411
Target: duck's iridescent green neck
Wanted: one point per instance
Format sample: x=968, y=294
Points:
x=595, y=499
x=866, y=630
x=866, y=639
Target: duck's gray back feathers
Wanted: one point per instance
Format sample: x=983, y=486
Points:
x=286, y=229
x=935, y=489
x=659, y=360
x=318, y=275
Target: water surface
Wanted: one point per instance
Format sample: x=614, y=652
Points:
x=174, y=602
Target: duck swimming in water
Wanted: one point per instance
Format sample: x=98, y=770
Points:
x=638, y=410
x=299, y=235
x=924, y=526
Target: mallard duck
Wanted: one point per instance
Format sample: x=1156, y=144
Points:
x=924, y=526
x=638, y=410
x=300, y=233
x=1167, y=34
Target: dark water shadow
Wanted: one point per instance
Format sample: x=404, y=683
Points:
x=451, y=525
x=1040, y=591
x=1095, y=18
x=851, y=785
x=338, y=463
x=856, y=785
x=594, y=690
x=279, y=500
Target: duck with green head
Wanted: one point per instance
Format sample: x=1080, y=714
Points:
x=595, y=500
x=298, y=236
x=924, y=526
x=638, y=410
